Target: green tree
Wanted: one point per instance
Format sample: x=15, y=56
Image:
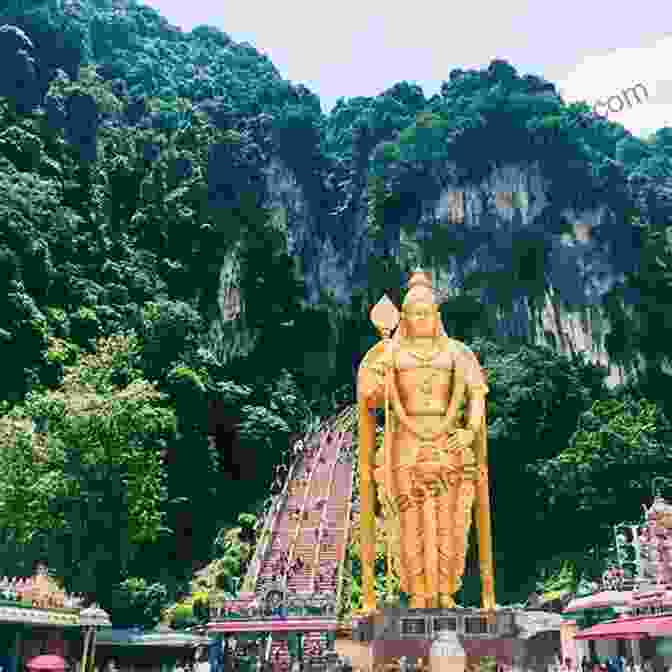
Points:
x=604, y=474
x=87, y=489
x=136, y=603
x=644, y=328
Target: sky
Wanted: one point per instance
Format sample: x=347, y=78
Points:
x=591, y=49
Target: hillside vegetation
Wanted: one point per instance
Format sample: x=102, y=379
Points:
x=132, y=161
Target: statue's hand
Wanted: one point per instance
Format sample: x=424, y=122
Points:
x=461, y=439
x=428, y=436
x=458, y=439
x=465, y=437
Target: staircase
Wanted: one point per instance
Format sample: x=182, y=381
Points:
x=307, y=535
x=310, y=524
x=308, y=520
x=333, y=554
x=273, y=566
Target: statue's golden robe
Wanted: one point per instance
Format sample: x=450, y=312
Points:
x=428, y=488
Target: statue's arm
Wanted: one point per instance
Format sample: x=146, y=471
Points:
x=476, y=410
x=370, y=386
x=371, y=377
x=477, y=390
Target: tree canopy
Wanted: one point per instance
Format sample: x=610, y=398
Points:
x=165, y=195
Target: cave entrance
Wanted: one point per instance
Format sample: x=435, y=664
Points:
x=223, y=436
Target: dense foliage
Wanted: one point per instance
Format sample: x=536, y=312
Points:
x=133, y=166
x=620, y=444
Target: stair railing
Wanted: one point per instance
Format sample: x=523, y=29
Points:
x=306, y=497
x=269, y=529
x=345, y=537
x=324, y=516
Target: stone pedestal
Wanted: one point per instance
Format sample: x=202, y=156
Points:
x=446, y=653
x=421, y=634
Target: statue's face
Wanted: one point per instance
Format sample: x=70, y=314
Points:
x=420, y=320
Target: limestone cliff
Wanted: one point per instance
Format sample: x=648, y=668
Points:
x=576, y=270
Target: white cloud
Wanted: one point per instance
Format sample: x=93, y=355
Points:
x=603, y=78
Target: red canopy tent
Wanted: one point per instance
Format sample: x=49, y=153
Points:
x=629, y=628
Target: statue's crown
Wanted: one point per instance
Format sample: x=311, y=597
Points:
x=420, y=278
x=420, y=288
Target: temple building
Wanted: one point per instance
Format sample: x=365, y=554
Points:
x=38, y=618
x=631, y=615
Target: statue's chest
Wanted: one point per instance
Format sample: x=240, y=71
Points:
x=426, y=377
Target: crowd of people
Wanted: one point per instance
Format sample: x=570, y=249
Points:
x=609, y=664
x=325, y=579
x=249, y=656
x=300, y=451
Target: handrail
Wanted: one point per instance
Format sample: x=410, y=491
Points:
x=306, y=497
x=266, y=536
x=292, y=546
x=346, y=535
x=324, y=516
x=347, y=419
x=269, y=527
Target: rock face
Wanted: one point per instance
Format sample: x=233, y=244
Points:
x=570, y=260
x=19, y=77
x=544, y=269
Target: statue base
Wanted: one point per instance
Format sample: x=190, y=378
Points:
x=450, y=640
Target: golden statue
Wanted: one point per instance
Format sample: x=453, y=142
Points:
x=432, y=468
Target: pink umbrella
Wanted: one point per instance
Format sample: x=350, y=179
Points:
x=48, y=663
